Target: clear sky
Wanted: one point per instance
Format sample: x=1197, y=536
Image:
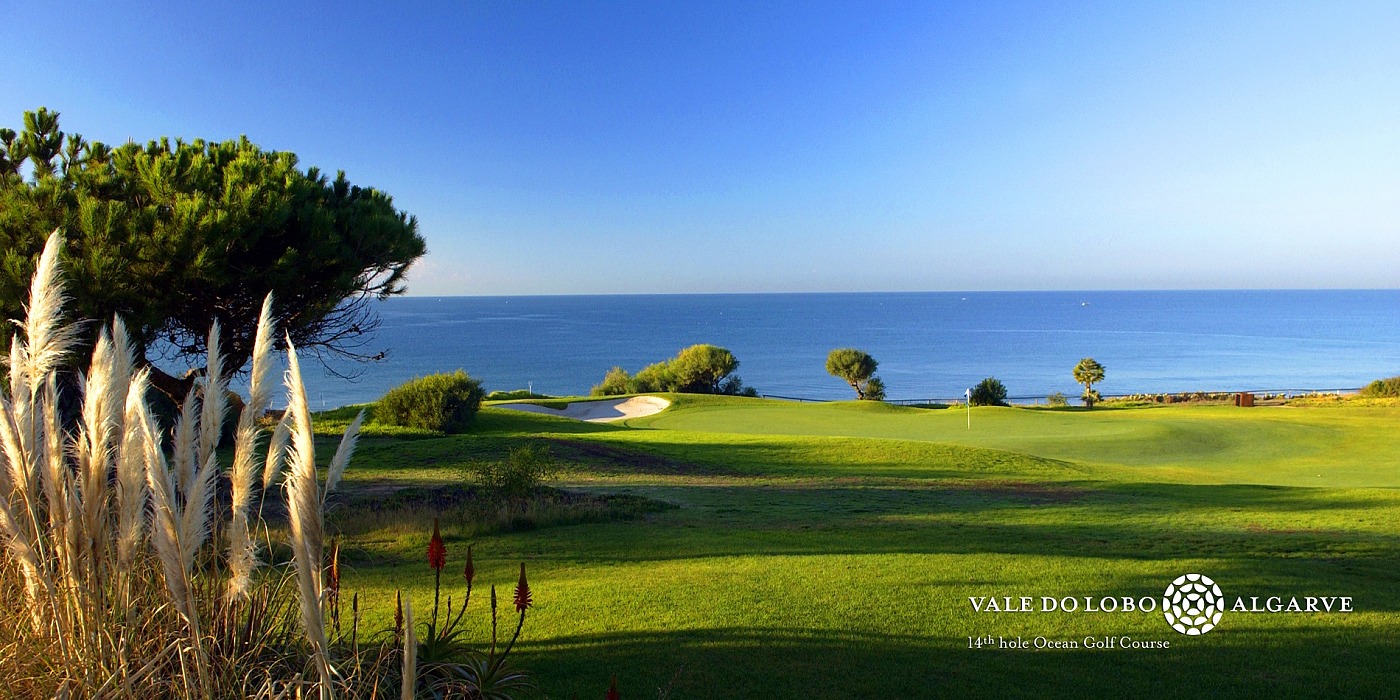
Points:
x=709, y=147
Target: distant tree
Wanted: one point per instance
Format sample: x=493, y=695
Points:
x=701, y=369
x=174, y=235
x=857, y=368
x=1089, y=372
x=989, y=392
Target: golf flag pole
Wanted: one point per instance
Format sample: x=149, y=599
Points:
x=968, y=393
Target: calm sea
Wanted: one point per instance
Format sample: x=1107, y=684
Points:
x=929, y=345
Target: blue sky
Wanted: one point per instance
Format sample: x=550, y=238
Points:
x=711, y=147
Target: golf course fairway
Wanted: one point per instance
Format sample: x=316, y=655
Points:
x=847, y=550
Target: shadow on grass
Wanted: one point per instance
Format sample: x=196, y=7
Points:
x=1236, y=527
x=796, y=663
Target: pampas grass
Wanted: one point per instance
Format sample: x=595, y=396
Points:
x=122, y=575
x=304, y=513
x=242, y=550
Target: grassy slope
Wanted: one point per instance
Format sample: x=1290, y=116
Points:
x=827, y=551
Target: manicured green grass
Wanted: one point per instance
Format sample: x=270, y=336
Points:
x=828, y=551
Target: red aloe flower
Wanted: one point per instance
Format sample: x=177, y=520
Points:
x=469, y=571
x=437, y=551
x=612, y=690
x=523, y=599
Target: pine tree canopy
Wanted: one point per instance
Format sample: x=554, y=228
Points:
x=172, y=236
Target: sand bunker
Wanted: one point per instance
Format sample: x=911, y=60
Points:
x=601, y=411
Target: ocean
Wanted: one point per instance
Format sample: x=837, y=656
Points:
x=929, y=345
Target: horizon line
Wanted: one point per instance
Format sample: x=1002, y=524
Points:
x=408, y=295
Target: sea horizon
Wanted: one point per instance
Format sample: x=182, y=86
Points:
x=930, y=345
x=917, y=291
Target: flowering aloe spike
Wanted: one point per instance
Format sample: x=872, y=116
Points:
x=523, y=597
x=437, y=551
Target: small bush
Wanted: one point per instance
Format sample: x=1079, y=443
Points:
x=1382, y=388
x=989, y=392
x=522, y=473
x=442, y=402
x=615, y=383
x=1057, y=400
x=698, y=369
x=874, y=390
x=1090, y=397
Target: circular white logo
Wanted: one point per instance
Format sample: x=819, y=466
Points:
x=1193, y=604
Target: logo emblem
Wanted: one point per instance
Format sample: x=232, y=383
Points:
x=1193, y=604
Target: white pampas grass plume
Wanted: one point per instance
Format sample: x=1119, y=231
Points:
x=183, y=450
x=342, y=456
x=304, y=516
x=199, y=504
x=131, y=470
x=410, y=653
x=123, y=362
x=277, y=450
x=259, y=384
x=93, y=438
x=214, y=393
x=165, y=526
x=46, y=341
x=242, y=552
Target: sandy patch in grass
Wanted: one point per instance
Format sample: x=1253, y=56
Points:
x=602, y=411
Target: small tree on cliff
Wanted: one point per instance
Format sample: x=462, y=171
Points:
x=857, y=368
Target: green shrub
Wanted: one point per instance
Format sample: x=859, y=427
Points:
x=1382, y=388
x=522, y=473
x=874, y=390
x=653, y=377
x=442, y=402
x=614, y=383
x=1057, y=400
x=989, y=392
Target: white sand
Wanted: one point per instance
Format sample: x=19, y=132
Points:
x=601, y=411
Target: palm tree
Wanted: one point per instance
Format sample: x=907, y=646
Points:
x=1087, y=372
